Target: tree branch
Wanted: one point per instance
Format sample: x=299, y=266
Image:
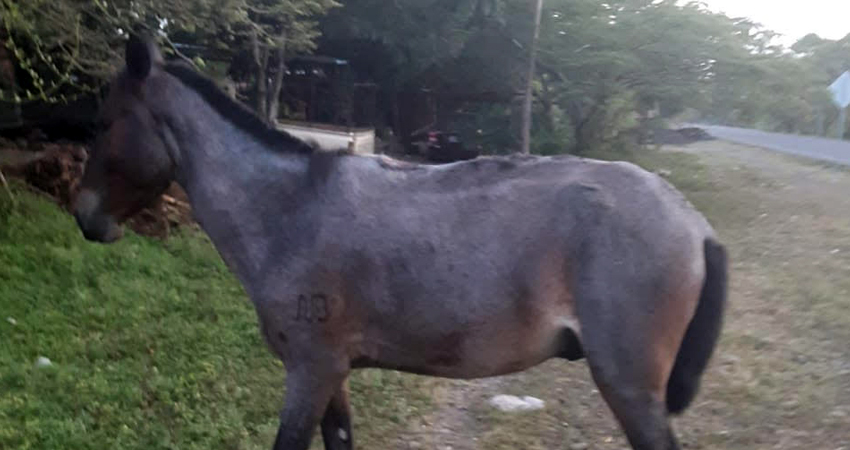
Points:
x=177, y=52
x=8, y=190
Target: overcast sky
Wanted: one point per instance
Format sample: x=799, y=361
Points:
x=793, y=18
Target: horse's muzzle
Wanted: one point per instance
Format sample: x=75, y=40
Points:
x=95, y=225
x=100, y=230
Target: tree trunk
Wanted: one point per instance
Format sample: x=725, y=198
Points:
x=529, y=94
x=261, y=62
x=277, y=83
x=517, y=117
x=8, y=84
x=396, y=116
x=546, y=101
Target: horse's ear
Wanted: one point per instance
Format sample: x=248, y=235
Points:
x=141, y=53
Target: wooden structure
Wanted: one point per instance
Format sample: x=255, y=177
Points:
x=332, y=137
x=322, y=89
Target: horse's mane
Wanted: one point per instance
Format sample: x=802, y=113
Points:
x=236, y=112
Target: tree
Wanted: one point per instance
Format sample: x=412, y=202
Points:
x=529, y=91
x=71, y=47
x=396, y=43
x=276, y=27
x=68, y=48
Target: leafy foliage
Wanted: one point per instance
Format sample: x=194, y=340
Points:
x=75, y=45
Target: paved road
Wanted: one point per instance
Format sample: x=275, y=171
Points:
x=812, y=147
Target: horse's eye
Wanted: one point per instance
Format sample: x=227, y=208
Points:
x=103, y=126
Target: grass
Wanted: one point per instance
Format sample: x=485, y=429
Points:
x=153, y=344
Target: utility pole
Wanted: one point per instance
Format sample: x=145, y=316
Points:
x=529, y=87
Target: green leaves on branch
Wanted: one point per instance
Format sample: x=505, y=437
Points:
x=69, y=48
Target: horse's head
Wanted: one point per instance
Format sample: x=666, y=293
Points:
x=132, y=161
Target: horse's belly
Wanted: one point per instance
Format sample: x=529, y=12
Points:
x=516, y=318
x=476, y=353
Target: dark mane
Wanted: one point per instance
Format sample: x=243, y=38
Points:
x=236, y=112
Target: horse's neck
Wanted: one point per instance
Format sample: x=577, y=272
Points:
x=235, y=187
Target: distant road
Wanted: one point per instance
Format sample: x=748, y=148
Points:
x=824, y=149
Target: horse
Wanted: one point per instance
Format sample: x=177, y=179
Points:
x=466, y=270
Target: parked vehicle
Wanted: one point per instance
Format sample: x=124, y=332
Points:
x=441, y=147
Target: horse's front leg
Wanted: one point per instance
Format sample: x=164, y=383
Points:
x=308, y=393
x=309, y=336
x=336, y=423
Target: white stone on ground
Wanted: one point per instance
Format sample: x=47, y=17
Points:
x=43, y=362
x=511, y=403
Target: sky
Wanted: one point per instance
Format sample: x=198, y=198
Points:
x=793, y=18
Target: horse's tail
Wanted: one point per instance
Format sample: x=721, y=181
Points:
x=702, y=333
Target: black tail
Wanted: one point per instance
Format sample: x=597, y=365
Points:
x=703, y=331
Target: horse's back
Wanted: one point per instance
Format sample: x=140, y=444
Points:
x=498, y=212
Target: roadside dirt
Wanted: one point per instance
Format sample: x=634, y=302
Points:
x=453, y=424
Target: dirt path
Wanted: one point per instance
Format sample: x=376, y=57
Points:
x=781, y=378
x=453, y=424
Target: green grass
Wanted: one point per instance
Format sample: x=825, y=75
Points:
x=154, y=346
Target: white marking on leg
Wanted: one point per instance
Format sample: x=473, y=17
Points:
x=569, y=322
x=343, y=435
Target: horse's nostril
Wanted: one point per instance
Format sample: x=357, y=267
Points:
x=84, y=222
x=80, y=222
x=85, y=229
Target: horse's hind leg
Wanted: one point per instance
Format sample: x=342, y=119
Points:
x=628, y=359
x=336, y=423
x=624, y=375
x=642, y=415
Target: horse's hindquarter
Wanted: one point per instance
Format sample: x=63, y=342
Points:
x=641, y=271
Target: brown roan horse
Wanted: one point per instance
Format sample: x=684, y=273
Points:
x=465, y=270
